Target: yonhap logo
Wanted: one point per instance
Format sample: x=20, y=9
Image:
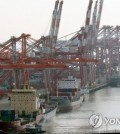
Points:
x=112, y=121
x=96, y=120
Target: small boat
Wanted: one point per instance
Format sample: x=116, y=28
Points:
x=34, y=129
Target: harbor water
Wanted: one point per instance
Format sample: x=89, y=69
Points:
x=104, y=102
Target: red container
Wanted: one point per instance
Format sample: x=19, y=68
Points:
x=63, y=94
x=74, y=90
x=74, y=93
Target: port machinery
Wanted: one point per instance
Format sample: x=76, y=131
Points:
x=91, y=54
x=18, y=65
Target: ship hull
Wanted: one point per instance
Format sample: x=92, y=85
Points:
x=50, y=114
x=64, y=104
x=8, y=125
x=71, y=105
x=16, y=125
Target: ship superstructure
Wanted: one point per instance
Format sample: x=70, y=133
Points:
x=25, y=101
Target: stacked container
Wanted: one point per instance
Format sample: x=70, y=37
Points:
x=7, y=115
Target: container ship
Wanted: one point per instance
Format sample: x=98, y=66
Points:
x=25, y=109
x=68, y=94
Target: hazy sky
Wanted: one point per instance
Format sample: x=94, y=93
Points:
x=33, y=16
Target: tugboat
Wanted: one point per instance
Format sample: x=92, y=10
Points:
x=34, y=129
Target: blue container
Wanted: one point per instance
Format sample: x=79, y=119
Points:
x=65, y=90
x=12, y=118
x=7, y=112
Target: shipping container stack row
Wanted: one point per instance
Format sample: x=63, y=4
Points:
x=72, y=94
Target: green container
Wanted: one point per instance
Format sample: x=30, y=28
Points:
x=6, y=119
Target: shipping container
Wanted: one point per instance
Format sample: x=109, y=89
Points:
x=74, y=93
x=12, y=118
x=5, y=118
x=63, y=94
x=7, y=112
x=68, y=90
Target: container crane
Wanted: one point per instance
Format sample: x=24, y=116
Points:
x=94, y=24
x=21, y=64
x=54, y=16
x=58, y=17
x=87, y=23
x=99, y=13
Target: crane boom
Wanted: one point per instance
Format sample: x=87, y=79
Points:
x=58, y=17
x=52, y=28
x=99, y=13
x=88, y=15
